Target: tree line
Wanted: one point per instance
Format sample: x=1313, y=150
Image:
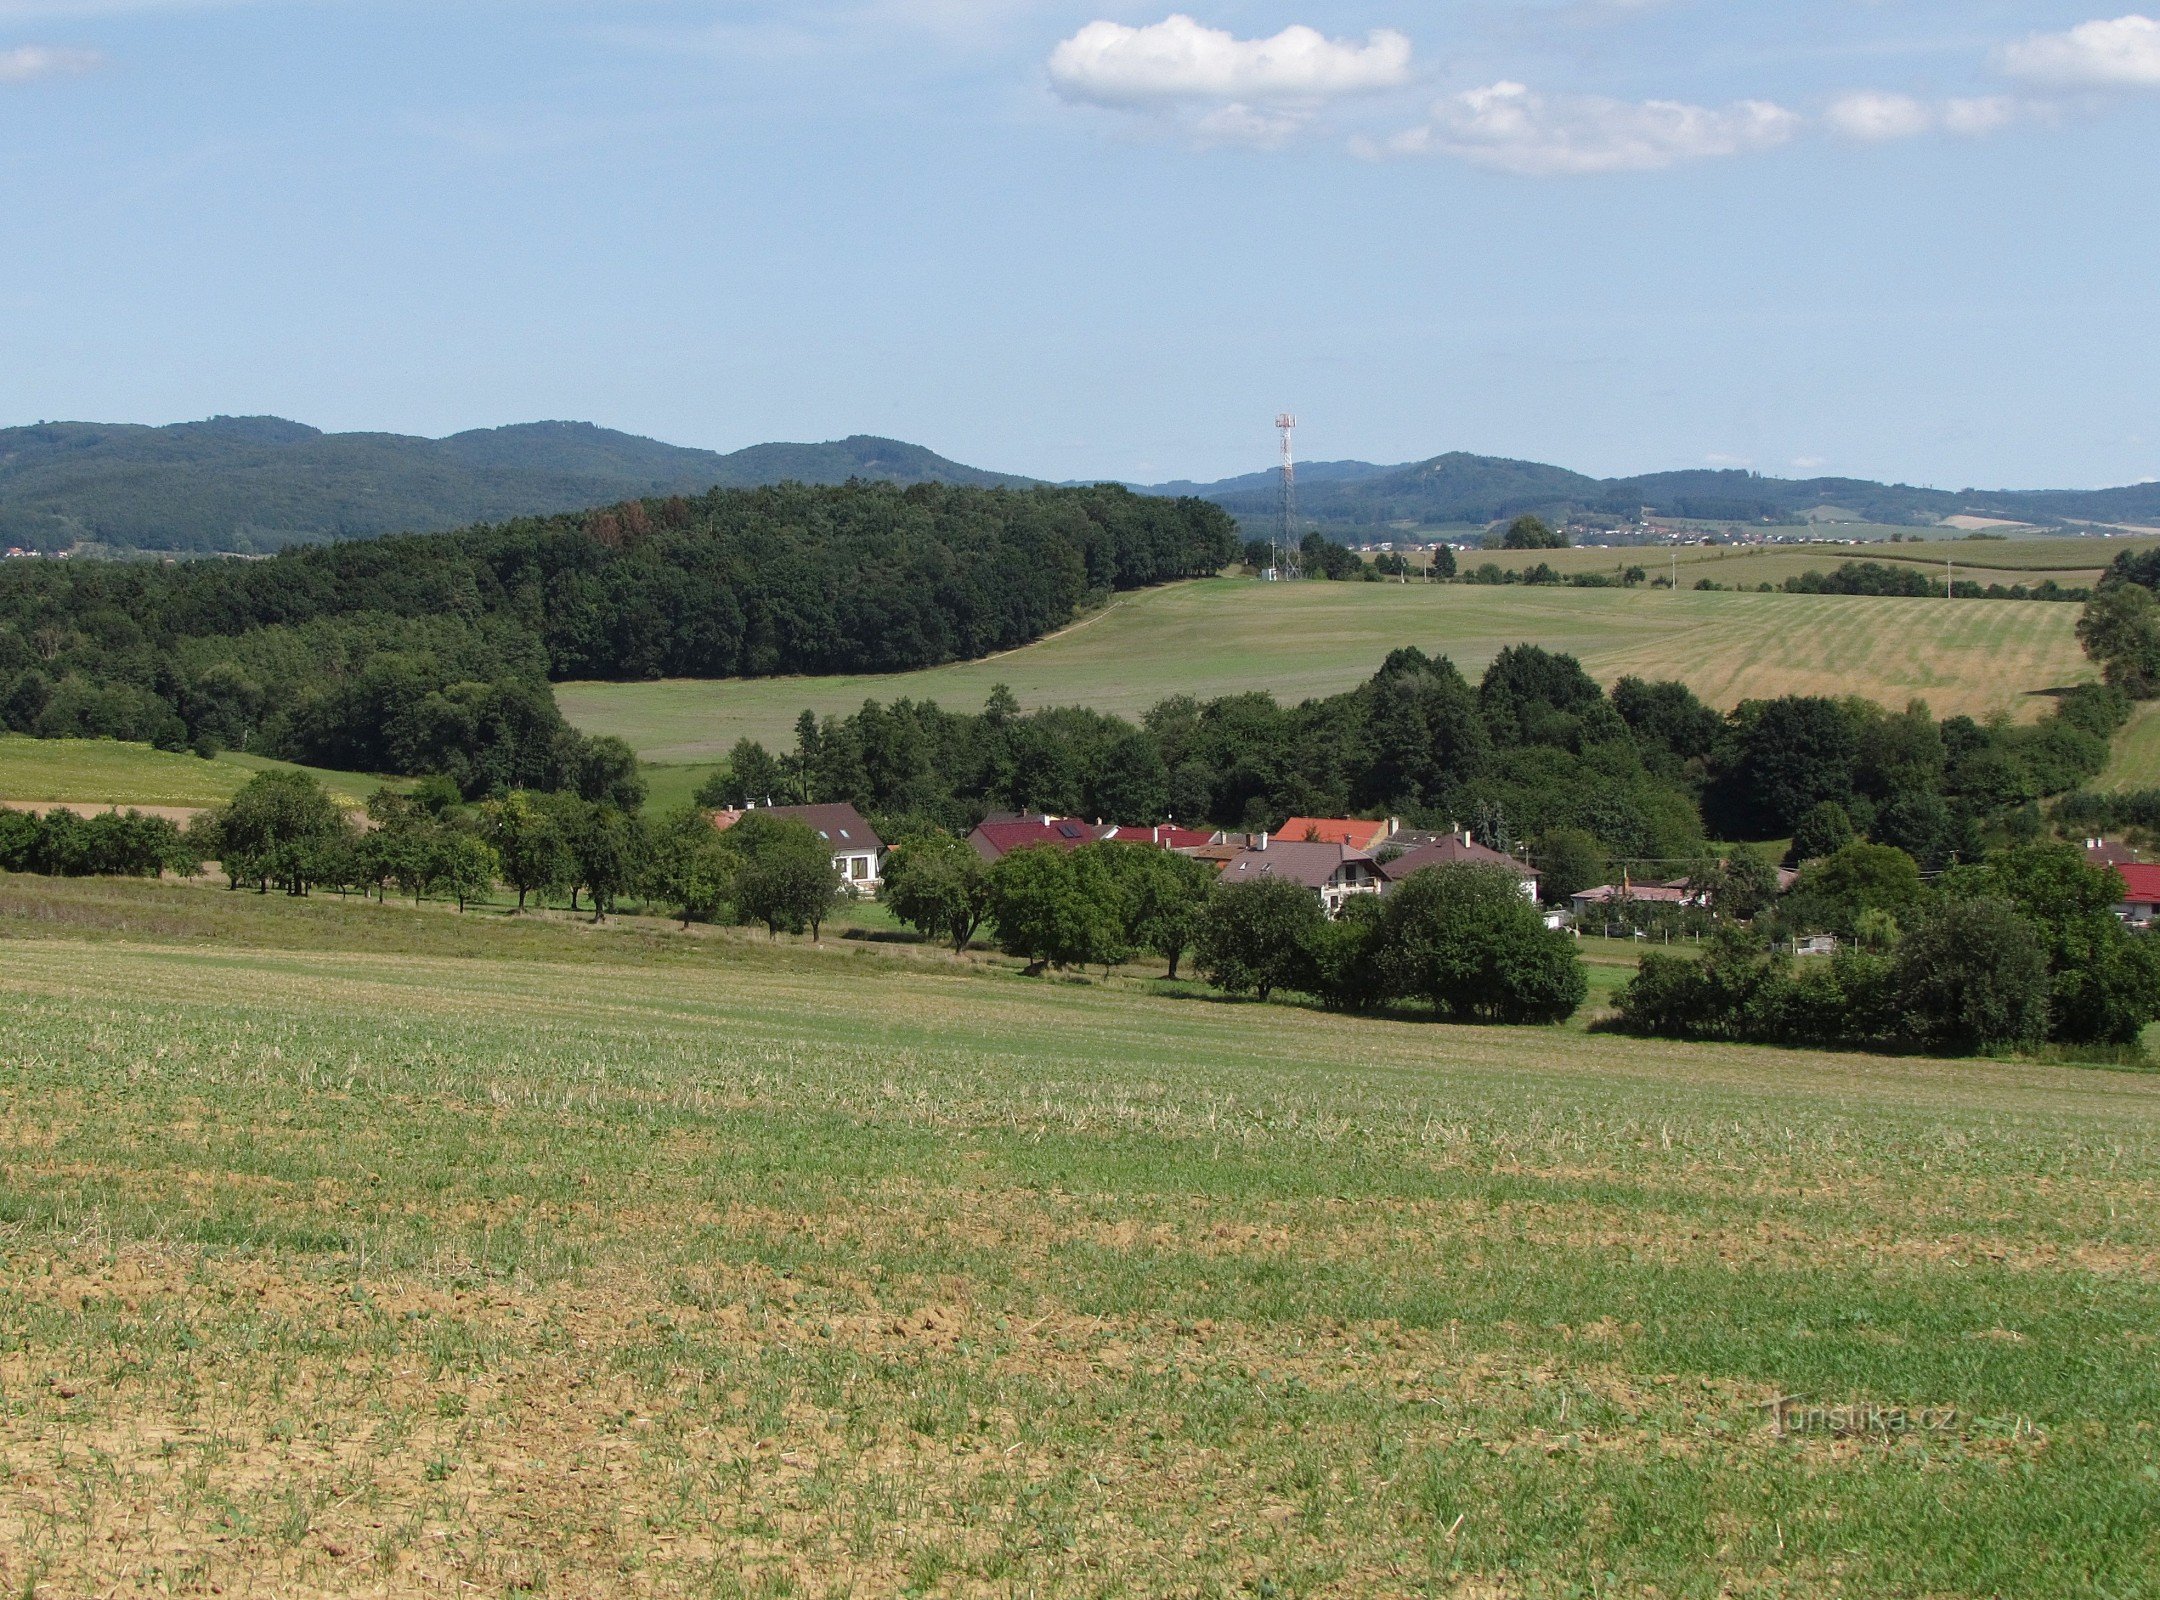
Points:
x=1535, y=753
x=433, y=654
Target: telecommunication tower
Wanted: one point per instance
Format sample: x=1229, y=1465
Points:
x=1288, y=557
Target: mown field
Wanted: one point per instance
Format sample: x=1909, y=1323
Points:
x=1225, y=636
x=354, y=1251
x=109, y=772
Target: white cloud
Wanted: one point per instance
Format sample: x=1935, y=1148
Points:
x=1874, y=117
x=2122, y=54
x=28, y=62
x=1511, y=128
x=1178, y=60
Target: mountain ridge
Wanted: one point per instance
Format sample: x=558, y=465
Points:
x=253, y=484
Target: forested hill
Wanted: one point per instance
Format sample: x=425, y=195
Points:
x=1352, y=497
x=433, y=653
x=256, y=484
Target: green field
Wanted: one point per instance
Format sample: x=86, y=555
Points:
x=2134, y=763
x=107, y=772
x=358, y=1251
x=1225, y=636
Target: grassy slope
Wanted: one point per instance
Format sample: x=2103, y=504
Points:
x=612, y=1266
x=1224, y=636
x=109, y=772
x=2135, y=761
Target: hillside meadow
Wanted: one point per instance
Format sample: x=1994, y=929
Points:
x=111, y=772
x=364, y=1251
x=1226, y=636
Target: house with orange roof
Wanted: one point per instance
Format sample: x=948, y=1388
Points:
x=1349, y=832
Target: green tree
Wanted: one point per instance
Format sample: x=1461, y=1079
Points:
x=1569, y=860
x=465, y=864
x=787, y=880
x=939, y=886
x=1859, y=878
x=1054, y=909
x=276, y=829
x=692, y=867
x=1972, y=976
x=528, y=841
x=2120, y=629
x=610, y=850
x=1823, y=832
x=1527, y=532
x=1465, y=940
x=751, y=777
x=1163, y=896
x=1258, y=937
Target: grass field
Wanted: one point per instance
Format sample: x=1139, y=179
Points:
x=2134, y=763
x=1224, y=636
x=107, y=772
x=343, y=1259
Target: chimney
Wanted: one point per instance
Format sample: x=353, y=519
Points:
x=1263, y=841
x=1394, y=826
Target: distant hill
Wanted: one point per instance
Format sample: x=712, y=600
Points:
x=252, y=484
x=1350, y=497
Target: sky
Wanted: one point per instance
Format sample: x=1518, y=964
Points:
x=1903, y=239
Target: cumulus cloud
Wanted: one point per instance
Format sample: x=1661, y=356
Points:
x=2122, y=54
x=1512, y=128
x=1178, y=60
x=27, y=62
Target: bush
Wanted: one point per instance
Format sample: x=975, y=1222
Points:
x=1258, y=937
x=1464, y=940
x=1972, y=976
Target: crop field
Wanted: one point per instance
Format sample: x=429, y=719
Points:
x=338, y=1257
x=109, y=772
x=1226, y=636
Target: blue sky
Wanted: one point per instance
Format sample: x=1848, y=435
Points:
x=1887, y=238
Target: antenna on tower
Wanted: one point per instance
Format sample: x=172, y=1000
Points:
x=1288, y=556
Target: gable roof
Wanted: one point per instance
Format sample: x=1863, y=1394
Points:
x=1295, y=861
x=1168, y=837
x=842, y=826
x=993, y=840
x=2141, y=884
x=1333, y=830
x=1454, y=851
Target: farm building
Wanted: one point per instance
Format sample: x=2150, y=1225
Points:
x=858, y=853
x=1334, y=872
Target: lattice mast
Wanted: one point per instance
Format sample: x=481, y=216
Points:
x=1288, y=556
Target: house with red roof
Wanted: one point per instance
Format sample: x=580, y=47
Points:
x=997, y=839
x=2140, y=903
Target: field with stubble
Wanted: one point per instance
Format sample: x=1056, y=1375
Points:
x=1227, y=636
x=366, y=1251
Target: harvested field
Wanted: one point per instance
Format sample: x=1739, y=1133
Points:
x=1226, y=636
x=368, y=1252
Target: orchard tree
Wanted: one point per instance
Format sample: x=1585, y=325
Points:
x=1054, y=909
x=528, y=841
x=1972, y=976
x=787, y=879
x=1258, y=937
x=276, y=830
x=1466, y=941
x=2121, y=630
x=691, y=867
x=939, y=886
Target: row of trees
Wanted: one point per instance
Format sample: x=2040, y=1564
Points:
x=1535, y=753
x=2017, y=951
x=113, y=844
x=433, y=654
x=1462, y=941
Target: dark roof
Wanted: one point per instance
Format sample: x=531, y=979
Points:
x=1294, y=860
x=843, y=826
x=1453, y=851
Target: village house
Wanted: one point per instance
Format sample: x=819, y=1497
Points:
x=2140, y=903
x=858, y=853
x=1350, y=831
x=1334, y=872
x=1000, y=835
x=1458, y=849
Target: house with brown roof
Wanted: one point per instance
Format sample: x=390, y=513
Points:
x=1334, y=872
x=997, y=839
x=1459, y=850
x=858, y=852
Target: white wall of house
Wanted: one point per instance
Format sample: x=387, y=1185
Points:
x=860, y=870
